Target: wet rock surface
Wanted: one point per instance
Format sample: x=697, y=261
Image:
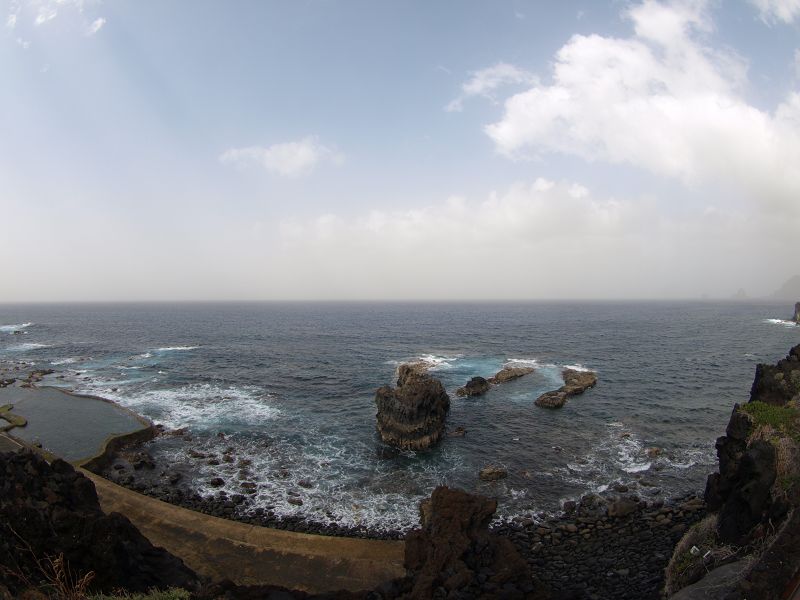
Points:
x=412, y=415
x=50, y=509
x=477, y=386
x=575, y=382
x=510, y=373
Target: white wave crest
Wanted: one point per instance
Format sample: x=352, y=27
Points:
x=65, y=361
x=28, y=346
x=14, y=328
x=782, y=322
x=204, y=406
x=175, y=348
x=523, y=362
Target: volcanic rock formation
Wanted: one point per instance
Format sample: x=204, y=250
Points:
x=476, y=386
x=575, y=382
x=411, y=416
x=796, y=317
x=509, y=373
x=454, y=550
x=47, y=510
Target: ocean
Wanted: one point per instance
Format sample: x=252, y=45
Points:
x=290, y=387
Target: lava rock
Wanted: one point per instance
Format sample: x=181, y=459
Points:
x=50, y=509
x=412, y=415
x=575, y=382
x=510, y=373
x=477, y=386
x=493, y=473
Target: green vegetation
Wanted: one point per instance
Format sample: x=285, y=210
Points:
x=685, y=568
x=13, y=420
x=171, y=594
x=788, y=482
x=781, y=418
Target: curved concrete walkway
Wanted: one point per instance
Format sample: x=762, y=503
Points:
x=251, y=555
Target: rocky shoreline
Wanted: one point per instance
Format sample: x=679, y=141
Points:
x=617, y=546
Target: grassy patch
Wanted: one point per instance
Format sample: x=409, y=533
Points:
x=781, y=418
x=172, y=594
x=788, y=482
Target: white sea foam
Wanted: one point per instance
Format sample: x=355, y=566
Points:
x=14, y=328
x=581, y=368
x=65, y=361
x=28, y=346
x=438, y=361
x=781, y=322
x=524, y=362
x=204, y=406
x=174, y=349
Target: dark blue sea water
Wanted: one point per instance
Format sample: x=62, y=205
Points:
x=292, y=388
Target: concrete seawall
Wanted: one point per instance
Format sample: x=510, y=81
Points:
x=250, y=555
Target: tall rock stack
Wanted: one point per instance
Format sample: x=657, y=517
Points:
x=412, y=415
x=796, y=317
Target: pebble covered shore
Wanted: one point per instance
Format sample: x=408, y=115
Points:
x=600, y=547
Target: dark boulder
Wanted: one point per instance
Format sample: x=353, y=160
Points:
x=477, y=386
x=575, y=382
x=50, y=509
x=454, y=546
x=493, y=473
x=412, y=415
x=749, y=500
x=778, y=384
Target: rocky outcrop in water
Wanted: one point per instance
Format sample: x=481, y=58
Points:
x=575, y=382
x=50, y=509
x=493, y=473
x=510, y=373
x=453, y=554
x=477, y=386
x=796, y=317
x=412, y=415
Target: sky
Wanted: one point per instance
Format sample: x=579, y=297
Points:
x=415, y=150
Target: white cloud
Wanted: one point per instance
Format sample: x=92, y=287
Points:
x=96, y=25
x=661, y=100
x=11, y=22
x=546, y=239
x=46, y=13
x=778, y=10
x=486, y=81
x=290, y=159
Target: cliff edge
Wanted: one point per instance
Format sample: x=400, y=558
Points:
x=754, y=498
